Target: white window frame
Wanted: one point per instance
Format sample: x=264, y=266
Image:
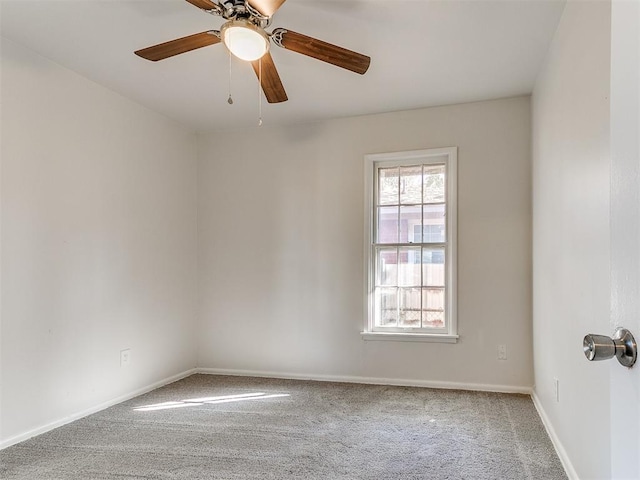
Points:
x=433, y=156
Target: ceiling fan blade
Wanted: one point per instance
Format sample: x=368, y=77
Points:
x=271, y=83
x=266, y=7
x=204, y=4
x=178, y=46
x=326, y=52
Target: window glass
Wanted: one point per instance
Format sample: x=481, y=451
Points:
x=411, y=252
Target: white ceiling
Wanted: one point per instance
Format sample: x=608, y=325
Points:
x=424, y=53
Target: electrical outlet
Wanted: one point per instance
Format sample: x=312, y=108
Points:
x=502, y=352
x=125, y=357
x=556, y=389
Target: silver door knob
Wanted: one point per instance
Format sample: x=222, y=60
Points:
x=622, y=345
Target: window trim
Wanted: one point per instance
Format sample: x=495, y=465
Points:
x=371, y=162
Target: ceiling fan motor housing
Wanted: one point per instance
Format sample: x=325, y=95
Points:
x=240, y=10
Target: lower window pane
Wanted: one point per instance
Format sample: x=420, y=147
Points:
x=433, y=311
x=386, y=266
x=410, y=307
x=433, y=267
x=409, y=266
x=432, y=319
x=386, y=307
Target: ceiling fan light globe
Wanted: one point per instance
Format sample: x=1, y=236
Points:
x=244, y=40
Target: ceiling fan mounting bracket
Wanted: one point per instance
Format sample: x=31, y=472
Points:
x=213, y=11
x=276, y=36
x=217, y=11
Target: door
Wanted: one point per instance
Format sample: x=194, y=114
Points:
x=625, y=231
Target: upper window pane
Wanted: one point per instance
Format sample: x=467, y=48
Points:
x=387, y=225
x=388, y=186
x=410, y=221
x=433, y=178
x=434, y=230
x=411, y=185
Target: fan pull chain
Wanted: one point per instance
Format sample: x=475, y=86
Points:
x=230, y=100
x=260, y=92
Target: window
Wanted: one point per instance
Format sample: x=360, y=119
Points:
x=411, y=240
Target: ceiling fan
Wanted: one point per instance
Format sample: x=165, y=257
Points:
x=245, y=37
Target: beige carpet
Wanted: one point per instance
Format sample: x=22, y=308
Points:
x=223, y=428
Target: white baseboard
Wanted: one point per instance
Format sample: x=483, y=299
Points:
x=557, y=444
x=479, y=387
x=76, y=416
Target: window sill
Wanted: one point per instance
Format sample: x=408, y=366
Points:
x=410, y=337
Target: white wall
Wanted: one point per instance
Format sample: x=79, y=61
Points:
x=98, y=244
x=571, y=286
x=281, y=237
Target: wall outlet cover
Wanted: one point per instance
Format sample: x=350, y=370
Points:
x=125, y=357
x=502, y=352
